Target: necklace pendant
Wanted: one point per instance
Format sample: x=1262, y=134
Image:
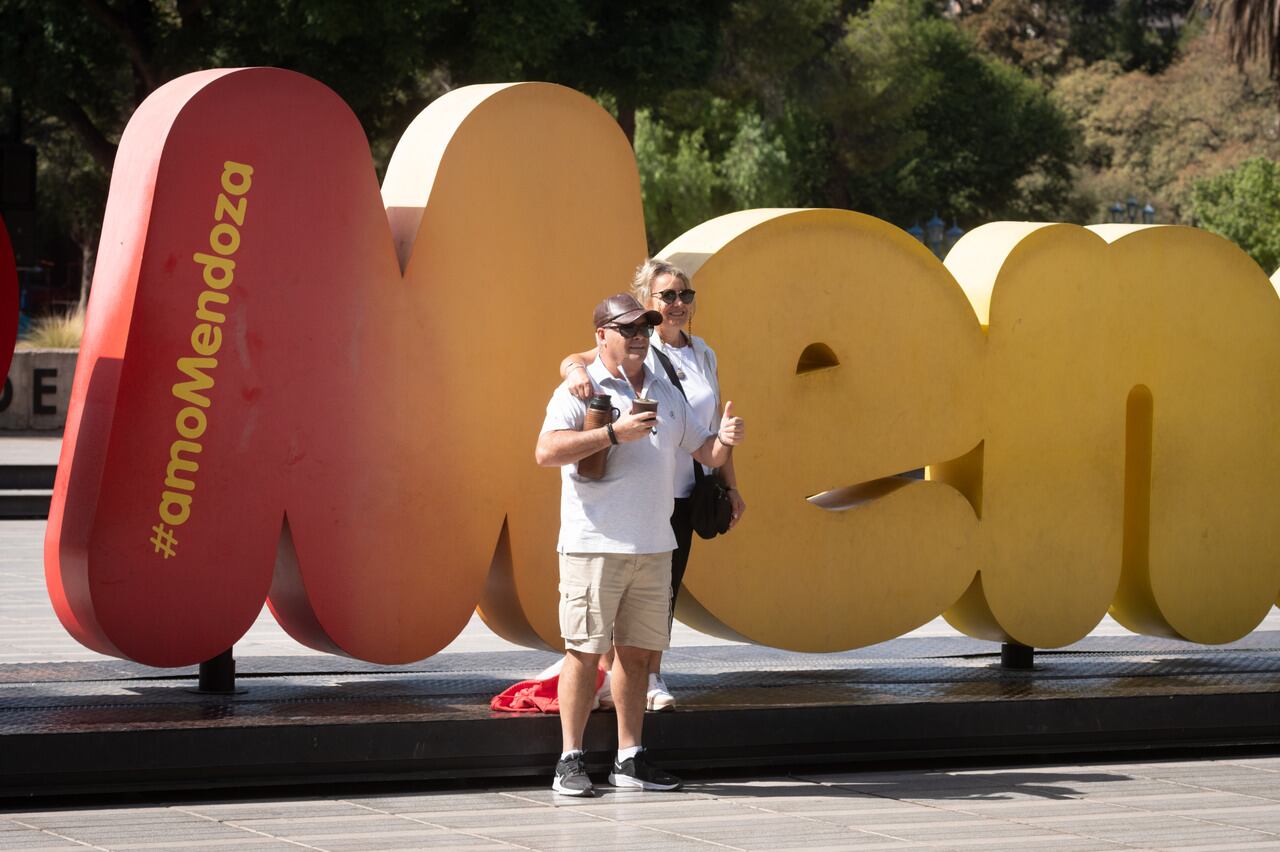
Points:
x=680, y=374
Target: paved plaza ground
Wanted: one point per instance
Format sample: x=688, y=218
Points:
x=1196, y=805
x=1210, y=804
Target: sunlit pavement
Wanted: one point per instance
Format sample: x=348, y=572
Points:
x=1197, y=805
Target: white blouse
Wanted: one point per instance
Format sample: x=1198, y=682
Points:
x=695, y=366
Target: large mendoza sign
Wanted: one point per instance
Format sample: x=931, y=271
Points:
x=299, y=389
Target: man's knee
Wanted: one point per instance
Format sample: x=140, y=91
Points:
x=633, y=659
x=584, y=659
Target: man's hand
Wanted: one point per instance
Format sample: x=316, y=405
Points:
x=732, y=429
x=633, y=427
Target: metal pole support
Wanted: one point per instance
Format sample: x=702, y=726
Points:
x=1015, y=656
x=218, y=676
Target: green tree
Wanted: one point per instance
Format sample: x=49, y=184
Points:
x=686, y=181
x=74, y=72
x=71, y=74
x=88, y=65
x=756, y=169
x=1243, y=205
x=677, y=178
x=930, y=122
x=1154, y=136
x=629, y=52
x=1049, y=38
x=884, y=107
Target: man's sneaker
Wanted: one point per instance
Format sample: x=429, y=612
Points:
x=659, y=697
x=571, y=776
x=637, y=773
x=604, y=695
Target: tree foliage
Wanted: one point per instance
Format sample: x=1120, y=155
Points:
x=962, y=132
x=975, y=109
x=1243, y=205
x=1154, y=136
x=630, y=51
x=71, y=73
x=1052, y=37
x=887, y=108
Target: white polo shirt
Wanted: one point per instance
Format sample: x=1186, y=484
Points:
x=629, y=510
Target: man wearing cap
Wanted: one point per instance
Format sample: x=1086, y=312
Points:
x=615, y=536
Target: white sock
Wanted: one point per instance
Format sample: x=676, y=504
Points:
x=571, y=752
x=624, y=753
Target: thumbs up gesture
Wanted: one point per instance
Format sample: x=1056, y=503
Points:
x=732, y=429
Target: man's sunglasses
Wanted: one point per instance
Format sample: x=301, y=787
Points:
x=630, y=331
x=670, y=296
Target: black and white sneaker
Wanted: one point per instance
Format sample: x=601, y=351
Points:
x=638, y=774
x=571, y=776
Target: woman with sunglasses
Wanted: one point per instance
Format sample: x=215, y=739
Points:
x=665, y=288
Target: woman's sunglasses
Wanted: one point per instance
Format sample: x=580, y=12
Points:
x=670, y=296
x=630, y=331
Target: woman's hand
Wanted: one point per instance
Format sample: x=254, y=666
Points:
x=738, y=505
x=579, y=383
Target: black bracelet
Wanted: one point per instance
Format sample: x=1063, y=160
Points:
x=613, y=439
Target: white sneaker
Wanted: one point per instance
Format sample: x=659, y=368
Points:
x=604, y=695
x=659, y=697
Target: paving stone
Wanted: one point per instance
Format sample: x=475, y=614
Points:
x=1035, y=810
x=1230, y=847
x=1050, y=843
x=449, y=802
x=655, y=813
x=247, y=842
x=418, y=840
x=423, y=839
x=959, y=830
x=787, y=834
x=606, y=797
x=108, y=835
x=27, y=840
x=289, y=809
x=85, y=817
x=534, y=818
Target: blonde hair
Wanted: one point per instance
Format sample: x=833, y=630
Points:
x=651, y=269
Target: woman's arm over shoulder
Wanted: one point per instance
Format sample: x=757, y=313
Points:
x=575, y=360
x=573, y=369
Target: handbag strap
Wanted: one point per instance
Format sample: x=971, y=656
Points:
x=675, y=380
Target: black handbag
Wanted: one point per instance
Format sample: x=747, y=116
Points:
x=711, y=509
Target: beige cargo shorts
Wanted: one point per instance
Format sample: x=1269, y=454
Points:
x=609, y=599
